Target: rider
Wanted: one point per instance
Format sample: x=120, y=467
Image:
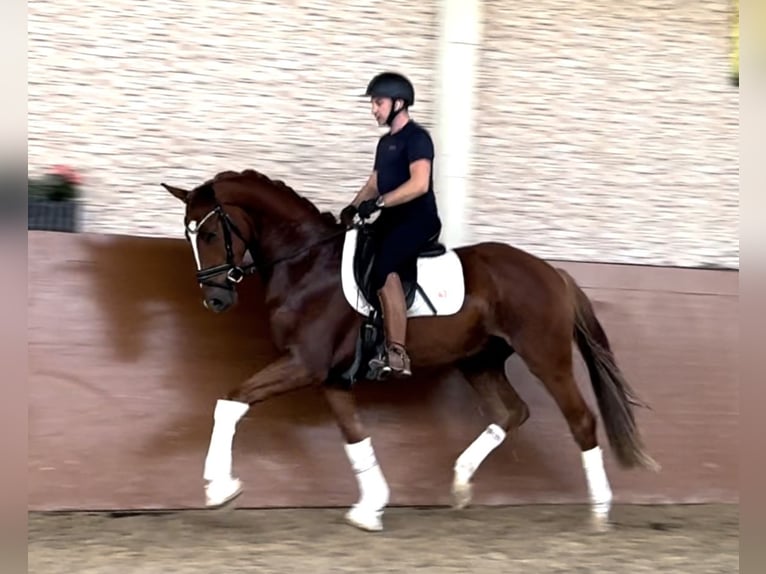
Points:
x=401, y=187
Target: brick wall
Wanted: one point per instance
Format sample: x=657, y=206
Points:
x=135, y=93
x=605, y=130
x=608, y=131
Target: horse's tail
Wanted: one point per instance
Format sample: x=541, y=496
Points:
x=614, y=395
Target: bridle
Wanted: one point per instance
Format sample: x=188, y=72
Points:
x=235, y=273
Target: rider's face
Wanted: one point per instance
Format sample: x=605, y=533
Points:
x=381, y=108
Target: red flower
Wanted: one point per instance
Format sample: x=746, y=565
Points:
x=67, y=174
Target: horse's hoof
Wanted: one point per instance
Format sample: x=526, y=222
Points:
x=462, y=493
x=600, y=523
x=368, y=520
x=221, y=492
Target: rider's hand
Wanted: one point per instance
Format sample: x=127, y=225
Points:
x=368, y=207
x=347, y=215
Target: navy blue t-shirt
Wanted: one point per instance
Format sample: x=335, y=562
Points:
x=393, y=156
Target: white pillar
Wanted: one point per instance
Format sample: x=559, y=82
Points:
x=458, y=59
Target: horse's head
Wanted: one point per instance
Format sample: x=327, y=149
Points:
x=238, y=220
x=220, y=236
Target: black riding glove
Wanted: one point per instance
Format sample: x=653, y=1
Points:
x=347, y=215
x=368, y=207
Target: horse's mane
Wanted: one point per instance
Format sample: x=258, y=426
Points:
x=252, y=174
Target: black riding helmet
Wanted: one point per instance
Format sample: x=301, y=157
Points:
x=394, y=86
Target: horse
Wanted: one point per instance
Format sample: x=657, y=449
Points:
x=500, y=300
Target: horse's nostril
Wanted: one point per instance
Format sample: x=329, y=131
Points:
x=218, y=302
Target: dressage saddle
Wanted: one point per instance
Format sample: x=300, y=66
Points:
x=364, y=258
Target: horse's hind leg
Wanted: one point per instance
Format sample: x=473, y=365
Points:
x=548, y=355
x=486, y=374
x=373, y=488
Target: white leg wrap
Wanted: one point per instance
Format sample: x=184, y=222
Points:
x=598, y=484
x=477, y=451
x=373, y=488
x=218, y=460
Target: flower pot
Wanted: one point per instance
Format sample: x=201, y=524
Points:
x=53, y=215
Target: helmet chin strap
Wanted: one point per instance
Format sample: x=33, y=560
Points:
x=393, y=113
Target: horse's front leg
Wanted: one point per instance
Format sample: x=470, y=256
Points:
x=373, y=488
x=284, y=375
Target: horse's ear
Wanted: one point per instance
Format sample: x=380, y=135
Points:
x=181, y=194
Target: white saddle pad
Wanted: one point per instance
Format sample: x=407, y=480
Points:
x=441, y=278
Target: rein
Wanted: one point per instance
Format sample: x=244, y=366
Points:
x=306, y=248
x=235, y=273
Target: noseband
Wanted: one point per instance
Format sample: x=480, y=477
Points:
x=234, y=273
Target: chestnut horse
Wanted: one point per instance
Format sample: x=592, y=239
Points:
x=512, y=302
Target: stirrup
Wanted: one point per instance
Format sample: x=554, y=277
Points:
x=402, y=352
